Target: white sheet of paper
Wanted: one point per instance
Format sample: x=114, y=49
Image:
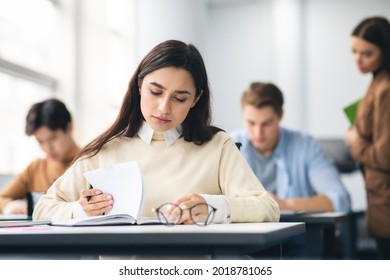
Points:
x=124, y=182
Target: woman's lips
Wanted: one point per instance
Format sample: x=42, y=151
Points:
x=161, y=119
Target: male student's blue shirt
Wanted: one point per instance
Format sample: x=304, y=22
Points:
x=302, y=168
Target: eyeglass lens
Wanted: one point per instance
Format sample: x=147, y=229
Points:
x=198, y=215
x=169, y=214
x=201, y=214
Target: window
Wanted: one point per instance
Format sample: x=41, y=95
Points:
x=27, y=29
x=81, y=52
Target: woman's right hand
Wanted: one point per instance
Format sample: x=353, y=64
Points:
x=94, y=202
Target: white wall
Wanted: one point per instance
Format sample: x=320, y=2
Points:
x=233, y=56
x=332, y=80
x=255, y=41
x=105, y=59
x=158, y=21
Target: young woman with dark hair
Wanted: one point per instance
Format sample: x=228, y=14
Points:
x=165, y=125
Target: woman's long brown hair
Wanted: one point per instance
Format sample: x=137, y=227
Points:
x=196, y=126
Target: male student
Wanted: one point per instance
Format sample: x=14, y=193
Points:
x=50, y=123
x=290, y=164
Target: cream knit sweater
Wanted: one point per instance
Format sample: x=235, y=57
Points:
x=170, y=172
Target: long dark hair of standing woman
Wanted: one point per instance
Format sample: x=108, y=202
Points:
x=376, y=30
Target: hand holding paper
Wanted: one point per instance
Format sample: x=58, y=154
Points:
x=124, y=182
x=94, y=202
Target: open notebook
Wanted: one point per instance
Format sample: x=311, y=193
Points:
x=124, y=182
x=106, y=220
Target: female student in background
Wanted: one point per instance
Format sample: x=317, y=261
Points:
x=164, y=125
x=369, y=139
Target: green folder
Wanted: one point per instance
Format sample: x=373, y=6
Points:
x=350, y=111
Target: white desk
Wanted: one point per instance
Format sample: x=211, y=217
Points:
x=226, y=241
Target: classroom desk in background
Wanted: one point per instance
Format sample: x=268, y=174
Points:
x=321, y=233
x=220, y=241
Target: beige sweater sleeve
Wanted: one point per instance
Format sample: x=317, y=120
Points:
x=58, y=202
x=247, y=199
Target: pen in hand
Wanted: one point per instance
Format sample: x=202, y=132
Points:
x=89, y=196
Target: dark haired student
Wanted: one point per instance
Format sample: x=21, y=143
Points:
x=50, y=123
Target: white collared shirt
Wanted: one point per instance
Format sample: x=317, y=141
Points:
x=146, y=134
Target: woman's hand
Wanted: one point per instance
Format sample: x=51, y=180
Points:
x=187, y=202
x=351, y=135
x=94, y=202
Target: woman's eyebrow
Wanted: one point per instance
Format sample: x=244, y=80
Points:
x=164, y=88
x=158, y=85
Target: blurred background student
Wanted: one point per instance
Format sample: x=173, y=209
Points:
x=369, y=138
x=50, y=123
x=290, y=164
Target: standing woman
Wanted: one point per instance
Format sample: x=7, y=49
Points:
x=164, y=125
x=369, y=139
